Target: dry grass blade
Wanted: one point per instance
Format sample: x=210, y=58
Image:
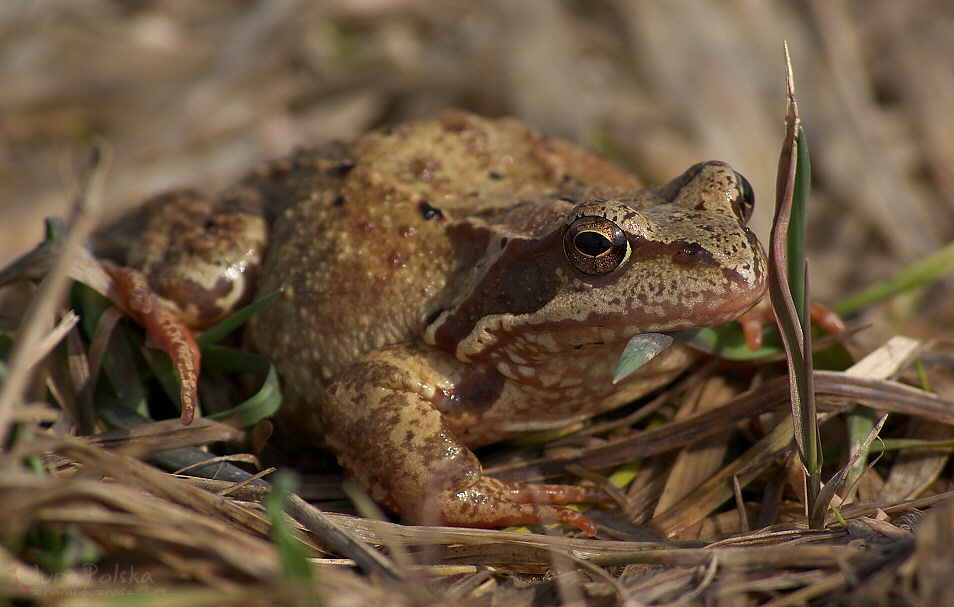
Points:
x=671, y=435
x=837, y=482
x=142, y=441
x=156, y=437
x=886, y=395
x=781, y=556
x=106, y=512
x=323, y=527
x=929, y=571
x=51, y=292
x=718, y=489
x=193, y=532
x=147, y=478
x=916, y=469
x=694, y=464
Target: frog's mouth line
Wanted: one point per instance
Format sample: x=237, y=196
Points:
x=531, y=340
x=483, y=326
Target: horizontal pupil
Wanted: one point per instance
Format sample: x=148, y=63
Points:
x=593, y=244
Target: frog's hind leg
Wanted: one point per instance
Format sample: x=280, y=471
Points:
x=183, y=263
x=381, y=420
x=163, y=328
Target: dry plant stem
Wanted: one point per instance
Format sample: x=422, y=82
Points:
x=461, y=539
x=47, y=342
x=793, y=557
x=882, y=394
x=241, y=485
x=171, y=488
x=145, y=440
x=802, y=397
x=664, y=438
x=718, y=489
x=51, y=291
x=886, y=395
x=84, y=415
x=341, y=540
x=697, y=462
x=105, y=512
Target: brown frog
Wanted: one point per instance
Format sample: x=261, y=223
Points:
x=452, y=283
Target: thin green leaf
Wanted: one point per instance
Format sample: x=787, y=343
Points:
x=795, y=238
x=923, y=380
x=841, y=520
x=858, y=426
x=90, y=305
x=920, y=273
x=295, y=563
x=115, y=415
x=896, y=444
x=233, y=321
x=53, y=229
x=638, y=351
x=6, y=345
x=625, y=474
x=234, y=360
x=160, y=366
x=264, y=403
x=727, y=341
x=58, y=551
x=123, y=371
x=859, y=422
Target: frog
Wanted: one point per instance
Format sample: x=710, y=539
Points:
x=451, y=283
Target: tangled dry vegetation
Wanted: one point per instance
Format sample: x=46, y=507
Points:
x=713, y=509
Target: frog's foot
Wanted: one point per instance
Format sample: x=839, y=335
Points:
x=163, y=330
x=754, y=321
x=493, y=503
x=382, y=420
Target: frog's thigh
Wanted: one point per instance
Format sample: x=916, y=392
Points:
x=199, y=253
x=381, y=419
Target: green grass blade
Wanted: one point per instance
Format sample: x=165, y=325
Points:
x=295, y=565
x=264, y=403
x=921, y=272
x=727, y=341
x=233, y=321
x=795, y=238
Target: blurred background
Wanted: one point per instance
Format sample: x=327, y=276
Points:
x=197, y=93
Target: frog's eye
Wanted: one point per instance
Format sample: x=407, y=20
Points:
x=595, y=245
x=745, y=203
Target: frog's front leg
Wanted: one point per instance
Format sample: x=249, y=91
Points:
x=382, y=418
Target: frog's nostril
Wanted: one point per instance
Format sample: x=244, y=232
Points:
x=688, y=251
